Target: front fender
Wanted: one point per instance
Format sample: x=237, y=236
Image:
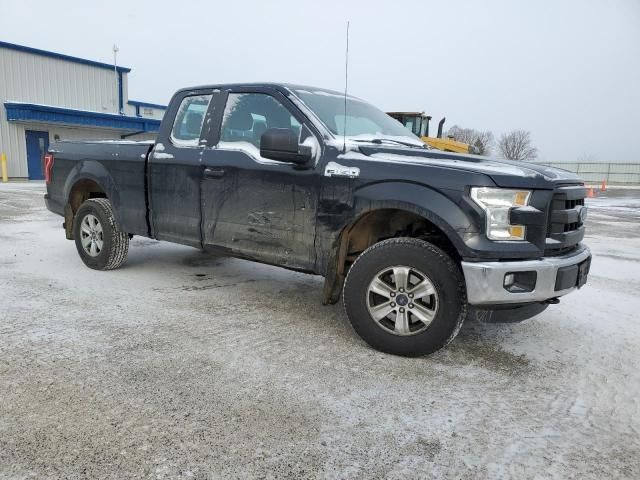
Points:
x=421, y=200
x=461, y=222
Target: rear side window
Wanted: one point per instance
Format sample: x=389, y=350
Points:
x=189, y=120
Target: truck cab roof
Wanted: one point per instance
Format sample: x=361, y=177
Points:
x=283, y=87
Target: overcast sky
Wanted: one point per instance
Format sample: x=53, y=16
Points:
x=567, y=70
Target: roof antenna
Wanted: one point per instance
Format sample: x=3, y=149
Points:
x=346, y=84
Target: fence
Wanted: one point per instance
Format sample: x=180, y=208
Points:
x=612, y=173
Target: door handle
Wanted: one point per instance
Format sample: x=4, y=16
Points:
x=213, y=172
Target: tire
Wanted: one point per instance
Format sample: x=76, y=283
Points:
x=444, y=310
x=101, y=245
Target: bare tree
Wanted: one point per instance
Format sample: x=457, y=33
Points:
x=516, y=145
x=482, y=140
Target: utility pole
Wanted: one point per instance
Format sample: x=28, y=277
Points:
x=115, y=71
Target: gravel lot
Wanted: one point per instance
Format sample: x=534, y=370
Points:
x=186, y=365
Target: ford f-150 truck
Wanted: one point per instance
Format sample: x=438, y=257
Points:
x=313, y=180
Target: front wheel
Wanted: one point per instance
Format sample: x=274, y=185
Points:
x=405, y=296
x=100, y=243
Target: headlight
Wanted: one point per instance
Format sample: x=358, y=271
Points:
x=497, y=202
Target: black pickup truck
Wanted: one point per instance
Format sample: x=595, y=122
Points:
x=305, y=178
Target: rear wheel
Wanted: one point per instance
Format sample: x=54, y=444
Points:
x=100, y=243
x=405, y=296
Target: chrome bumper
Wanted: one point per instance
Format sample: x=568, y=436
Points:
x=485, y=280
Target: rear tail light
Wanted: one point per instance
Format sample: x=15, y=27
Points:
x=48, y=166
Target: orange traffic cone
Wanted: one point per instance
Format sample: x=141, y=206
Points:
x=590, y=193
x=603, y=188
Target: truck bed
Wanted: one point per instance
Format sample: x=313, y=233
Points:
x=118, y=165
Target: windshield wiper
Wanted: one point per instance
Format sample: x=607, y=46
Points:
x=379, y=141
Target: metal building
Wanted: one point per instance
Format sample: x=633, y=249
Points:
x=49, y=96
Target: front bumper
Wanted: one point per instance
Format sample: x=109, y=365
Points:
x=485, y=280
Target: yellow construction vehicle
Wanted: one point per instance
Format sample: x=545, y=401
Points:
x=418, y=123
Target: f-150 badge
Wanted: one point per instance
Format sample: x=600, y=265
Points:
x=334, y=169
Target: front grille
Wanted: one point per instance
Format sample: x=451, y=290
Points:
x=565, y=229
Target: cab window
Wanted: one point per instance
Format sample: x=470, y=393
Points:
x=189, y=119
x=248, y=115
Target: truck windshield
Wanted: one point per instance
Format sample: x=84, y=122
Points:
x=364, y=122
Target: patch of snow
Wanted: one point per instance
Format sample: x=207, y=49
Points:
x=158, y=152
x=163, y=156
x=621, y=204
x=312, y=141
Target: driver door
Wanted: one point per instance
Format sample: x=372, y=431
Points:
x=258, y=208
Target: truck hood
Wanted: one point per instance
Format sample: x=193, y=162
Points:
x=505, y=173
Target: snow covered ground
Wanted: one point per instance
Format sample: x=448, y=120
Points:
x=187, y=365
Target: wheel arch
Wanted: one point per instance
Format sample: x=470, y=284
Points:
x=87, y=180
x=445, y=221
x=382, y=220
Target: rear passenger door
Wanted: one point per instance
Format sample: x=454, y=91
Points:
x=258, y=208
x=175, y=170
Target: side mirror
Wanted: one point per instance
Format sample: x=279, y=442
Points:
x=282, y=144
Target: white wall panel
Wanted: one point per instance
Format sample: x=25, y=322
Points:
x=32, y=78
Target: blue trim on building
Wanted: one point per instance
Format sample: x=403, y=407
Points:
x=30, y=112
x=146, y=104
x=61, y=56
